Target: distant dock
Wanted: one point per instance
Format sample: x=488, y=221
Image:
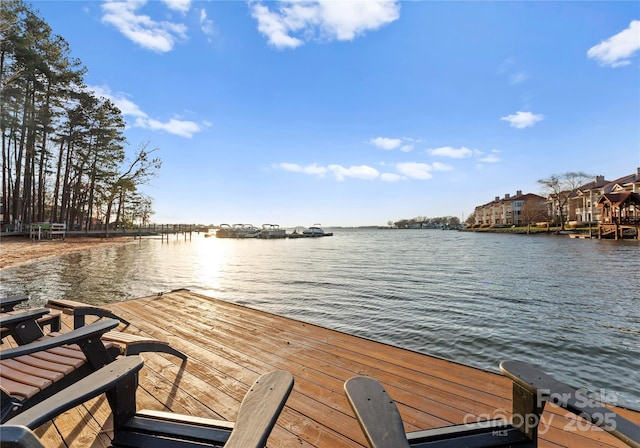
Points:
x=45, y=231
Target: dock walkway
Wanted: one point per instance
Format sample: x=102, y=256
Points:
x=229, y=346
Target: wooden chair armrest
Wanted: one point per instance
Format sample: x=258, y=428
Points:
x=18, y=437
x=11, y=320
x=97, y=383
x=9, y=303
x=23, y=325
x=89, y=332
x=80, y=313
x=79, y=310
x=260, y=409
x=545, y=388
x=376, y=413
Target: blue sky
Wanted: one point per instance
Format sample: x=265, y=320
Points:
x=361, y=112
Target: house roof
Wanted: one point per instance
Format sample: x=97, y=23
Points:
x=518, y=197
x=619, y=199
x=532, y=196
x=625, y=180
x=597, y=183
x=607, y=185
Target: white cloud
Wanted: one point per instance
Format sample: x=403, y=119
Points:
x=313, y=169
x=492, y=158
x=405, y=171
x=454, y=153
x=206, y=24
x=510, y=69
x=294, y=167
x=521, y=120
x=437, y=166
x=295, y=22
x=126, y=106
x=519, y=77
x=391, y=177
x=415, y=170
x=178, y=5
x=386, y=143
x=141, y=29
x=389, y=144
x=340, y=172
x=176, y=126
x=358, y=172
x=617, y=50
x=272, y=25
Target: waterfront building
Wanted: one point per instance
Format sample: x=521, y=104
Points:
x=583, y=204
x=521, y=209
x=580, y=206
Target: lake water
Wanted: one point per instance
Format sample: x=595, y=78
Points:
x=569, y=305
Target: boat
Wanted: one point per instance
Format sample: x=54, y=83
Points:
x=237, y=231
x=580, y=235
x=225, y=231
x=310, y=232
x=246, y=231
x=315, y=231
x=272, y=231
x=297, y=233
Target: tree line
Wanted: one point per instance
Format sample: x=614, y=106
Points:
x=64, y=155
x=448, y=222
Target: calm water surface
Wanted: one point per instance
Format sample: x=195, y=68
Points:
x=572, y=306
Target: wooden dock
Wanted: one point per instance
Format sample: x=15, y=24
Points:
x=619, y=231
x=229, y=346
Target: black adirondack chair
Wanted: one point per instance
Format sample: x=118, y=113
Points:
x=26, y=326
x=9, y=303
x=23, y=325
x=382, y=425
x=33, y=372
x=257, y=414
x=44, y=318
x=132, y=344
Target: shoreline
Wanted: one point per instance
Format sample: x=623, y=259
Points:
x=17, y=250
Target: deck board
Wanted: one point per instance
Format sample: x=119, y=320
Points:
x=229, y=346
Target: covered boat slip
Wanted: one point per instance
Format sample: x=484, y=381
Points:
x=229, y=346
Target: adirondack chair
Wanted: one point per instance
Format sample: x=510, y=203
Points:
x=9, y=303
x=132, y=344
x=23, y=326
x=46, y=317
x=257, y=415
x=33, y=372
x=118, y=375
x=382, y=424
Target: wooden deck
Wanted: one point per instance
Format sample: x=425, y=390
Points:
x=229, y=346
x=617, y=231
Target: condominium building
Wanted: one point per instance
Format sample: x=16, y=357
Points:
x=581, y=206
x=583, y=203
x=521, y=209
